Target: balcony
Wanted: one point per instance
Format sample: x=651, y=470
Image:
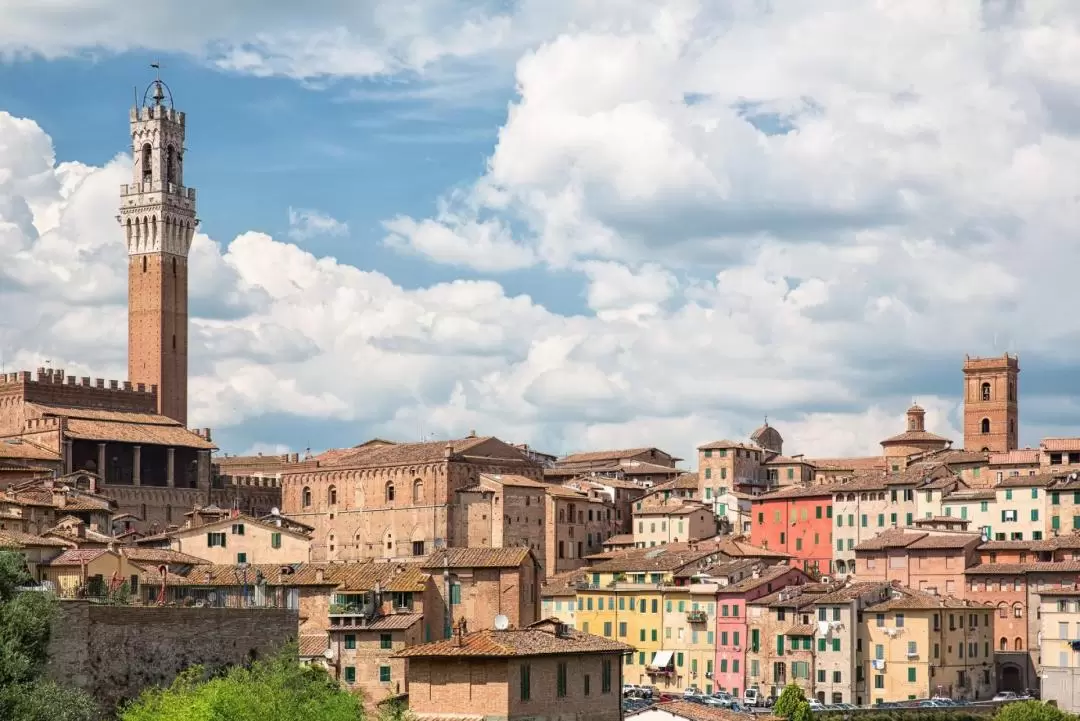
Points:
x=697, y=617
x=660, y=670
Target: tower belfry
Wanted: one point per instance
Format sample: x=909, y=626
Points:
x=157, y=213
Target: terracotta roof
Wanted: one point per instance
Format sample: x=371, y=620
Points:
x=229, y=520
x=613, y=482
x=942, y=519
x=669, y=509
x=802, y=629
x=536, y=640
x=24, y=449
x=640, y=468
x=553, y=490
x=726, y=444
x=1060, y=444
x=699, y=712
x=1037, y=480
x=804, y=595
x=77, y=556
x=851, y=592
x=799, y=492
x=141, y=433
x=738, y=548
x=1007, y=545
x=1018, y=569
x=511, y=557
x=1015, y=457
x=137, y=554
x=911, y=539
x=854, y=464
x=614, y=455
x=910, y=599
x=513, y=480
x=684, y=482
x=955, y=456
x=389, y=622
x=765, y=576
x=1068, y=540
x=669, y=557
x=779, y=460
x=18, y=539
x=915, y=437
x=619, y=539
x=563, y=584
x=942, y=483
x=312, y=645
x=391, y=454
x=354, y=576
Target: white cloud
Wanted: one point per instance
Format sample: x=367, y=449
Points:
x=811, y=213
x=305, y=224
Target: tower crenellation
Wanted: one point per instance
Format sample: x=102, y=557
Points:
x=157, y=214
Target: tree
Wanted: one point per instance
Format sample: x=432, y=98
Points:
x=789, y=701
x=25, y=624
x=1030, y=711
x=278, y=688
x=395, y=710
x=802, y=712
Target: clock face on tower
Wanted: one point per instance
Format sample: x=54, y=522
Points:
x=157, y=214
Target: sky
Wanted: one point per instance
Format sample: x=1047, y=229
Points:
x=576, y=224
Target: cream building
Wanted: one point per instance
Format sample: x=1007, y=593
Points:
x=1017, y=510
x=243, y=539
x=659, y=522
x=919, y=645
x=836, y=664
x=1059, y=635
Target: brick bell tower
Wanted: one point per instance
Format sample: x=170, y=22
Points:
x=157, y=213
x=991, y=405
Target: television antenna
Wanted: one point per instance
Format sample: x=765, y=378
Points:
x=502, y=622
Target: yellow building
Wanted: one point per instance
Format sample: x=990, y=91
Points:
x=917, y=645
x=661, y=601
x=243, y=539
x=1059, y=633
x=90, y=572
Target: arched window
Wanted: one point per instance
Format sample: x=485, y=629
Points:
x=1004, y=644
x=305, y=497
x=1003, y=612
x=985, y=425
x=170, y=165
x=417, y=491
x=986, y=391
x=389, y=491
x=1018, y=611
x=1018, y=644
x=331, y=495
x=147, y=163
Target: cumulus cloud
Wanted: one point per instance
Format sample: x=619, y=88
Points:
x=810, y=213
x=306, y=223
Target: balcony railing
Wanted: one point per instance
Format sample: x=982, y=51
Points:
x=660, y=670
x=697, y=617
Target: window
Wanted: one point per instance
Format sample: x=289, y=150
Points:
x=331, y=495
x=389, y=491
x=985, y=425
x=985, y=393
x=524, y=677
x=899, y=620
x=350, y=641
x=1034, y=514
x=455, y=594
x=350, y=674
x=418, y=548
x=384, y=674
x=879, y=681
x=275, y=540
x=238, y=529
x=605, y=677
x=560, y=680
x=585, y=685
x=215, y=540
x=241, y=558
x=911, y=674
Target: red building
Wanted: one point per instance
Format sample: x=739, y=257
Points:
x=798, y=521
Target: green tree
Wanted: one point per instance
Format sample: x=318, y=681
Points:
x=1031, y=711
x=25, y=624
x=789, y=701
x=395, y=710
x=801, y=712
x=278, y=688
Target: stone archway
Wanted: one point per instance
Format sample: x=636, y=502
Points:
x=1012, y=678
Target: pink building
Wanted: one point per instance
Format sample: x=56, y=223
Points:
x=732, y=635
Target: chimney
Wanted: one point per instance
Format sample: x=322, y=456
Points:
x=449, y=450
x=319, y=575
x=472, y=433
x=206, y=434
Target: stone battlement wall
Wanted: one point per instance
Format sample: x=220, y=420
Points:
x=53, y=387
x=972, y=363
x=114, y=652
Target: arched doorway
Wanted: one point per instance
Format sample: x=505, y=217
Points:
x=1011, y=678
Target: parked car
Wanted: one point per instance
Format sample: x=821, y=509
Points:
x=943, y=701
x=1006, y=696
x=752, y=697
x=630, y=689
x=816, y=705
x=692, y=691
x=769, y=702
x=930, y=703
x=650, y=692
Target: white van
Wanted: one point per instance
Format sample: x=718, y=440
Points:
x=751, y=697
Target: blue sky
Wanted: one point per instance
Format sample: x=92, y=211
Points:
x=573, y=225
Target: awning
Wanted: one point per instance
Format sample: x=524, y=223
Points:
x=662, y=659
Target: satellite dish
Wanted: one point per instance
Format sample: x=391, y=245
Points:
x=275, y=511
x=501, y=622
x=328, y=654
